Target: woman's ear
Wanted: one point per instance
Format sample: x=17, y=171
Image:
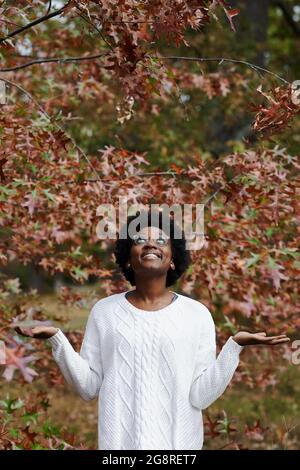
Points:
x=172, y=265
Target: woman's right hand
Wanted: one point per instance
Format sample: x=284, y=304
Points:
x=41, y=332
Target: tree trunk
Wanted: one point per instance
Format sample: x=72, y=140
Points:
x=253, y=22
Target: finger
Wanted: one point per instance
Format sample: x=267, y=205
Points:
x=280, y=341
x=276, y=343
x=280, y=337
x=271, y=338
x=37, y=329
x=262, y=333
x=264, y=339
x=283, y=335
x=40, y=330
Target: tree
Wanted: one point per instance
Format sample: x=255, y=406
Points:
x=73, y=66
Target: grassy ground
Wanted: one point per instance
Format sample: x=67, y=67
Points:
x=277, y=408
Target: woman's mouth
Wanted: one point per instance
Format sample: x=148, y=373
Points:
x=151, y=256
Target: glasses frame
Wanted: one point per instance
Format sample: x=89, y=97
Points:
x=135, y=239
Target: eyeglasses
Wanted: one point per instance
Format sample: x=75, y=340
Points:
x=138, y=240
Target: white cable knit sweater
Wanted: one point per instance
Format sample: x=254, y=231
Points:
x=153, y=371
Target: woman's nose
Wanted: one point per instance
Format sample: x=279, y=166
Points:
x=150, y=243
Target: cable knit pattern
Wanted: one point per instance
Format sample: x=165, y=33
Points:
x=125, y=373
x=153, y=372
x=166, y=393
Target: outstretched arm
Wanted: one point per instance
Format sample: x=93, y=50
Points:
x=82, y=371
x=212, y=375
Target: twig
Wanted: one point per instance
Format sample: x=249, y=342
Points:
x=95, y=27
x=256, y=68
x=54, y=59
x=49, y=7
x=34, y=23
x=223, y=59
x=50, y=119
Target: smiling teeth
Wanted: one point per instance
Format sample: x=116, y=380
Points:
x=151, y=256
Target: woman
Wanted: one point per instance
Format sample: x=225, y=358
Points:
x=149, y=354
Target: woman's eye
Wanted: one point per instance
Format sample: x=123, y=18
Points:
x=143, y=241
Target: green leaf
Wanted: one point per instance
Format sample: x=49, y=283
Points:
x=253, y=260
x=228, y=324
x=152, y=80
x=296, y=264
x=11, y=404
x=14, y=432
x=37, y=446
x=254, y=240
x=79, y=273
x=7, y=191
x=50, y=430
x=252, y=213
x=13, y=285
x=46, y=155
x=272, y=263
x=49, y=195
x=269, y=232
x=30, y=417
x=290, y=252
x=15, y=447
x=77, y=252
x=190, y=269
x=271, y=301
x=170, y=74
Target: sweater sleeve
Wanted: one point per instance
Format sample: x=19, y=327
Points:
x=212, y=375
x=83, y=371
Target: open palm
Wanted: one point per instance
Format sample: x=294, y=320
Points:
x=41, y=332
x=244, y=338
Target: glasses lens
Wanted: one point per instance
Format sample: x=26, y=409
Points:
x=137, y=240
x=162, y=241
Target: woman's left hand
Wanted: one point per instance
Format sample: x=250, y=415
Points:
x=243, y=338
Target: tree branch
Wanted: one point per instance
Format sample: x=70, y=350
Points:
x=257, y=68
x=52, y=59
x=34, y=23
x=49, y=7
x=97, y=29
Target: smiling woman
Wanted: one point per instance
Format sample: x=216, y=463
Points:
x=176, y=257
x=149, y=354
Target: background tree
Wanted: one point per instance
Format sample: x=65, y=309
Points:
x=175, y=102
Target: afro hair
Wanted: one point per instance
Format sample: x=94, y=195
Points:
x=181, y=257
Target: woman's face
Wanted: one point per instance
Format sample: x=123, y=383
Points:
x=150, y=256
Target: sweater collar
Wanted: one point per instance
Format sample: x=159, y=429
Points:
x=149, y=313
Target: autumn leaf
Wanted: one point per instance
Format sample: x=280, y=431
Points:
x=15, y=360
x=256, y=432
